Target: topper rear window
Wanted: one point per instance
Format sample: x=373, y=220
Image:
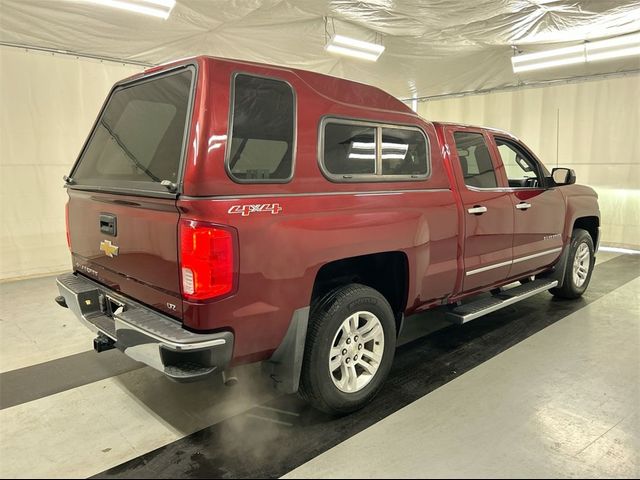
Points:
x=139, y=138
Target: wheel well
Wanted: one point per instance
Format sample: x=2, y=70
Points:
x=387, y=272
x=590, y=224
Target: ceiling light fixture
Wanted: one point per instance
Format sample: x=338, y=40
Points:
x=156, y=8
x=354, y=48
x=549, y=58
x=617, y=47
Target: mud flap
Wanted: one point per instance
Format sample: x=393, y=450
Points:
x=285, y=364
x=559, y=268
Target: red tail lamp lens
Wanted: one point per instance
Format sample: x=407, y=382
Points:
x=208, y=260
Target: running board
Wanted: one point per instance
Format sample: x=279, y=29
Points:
x=478, y=308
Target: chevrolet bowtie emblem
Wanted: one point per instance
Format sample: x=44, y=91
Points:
x=109, y=249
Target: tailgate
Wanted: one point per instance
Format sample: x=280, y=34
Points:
x=122, y=215
x=141, y=259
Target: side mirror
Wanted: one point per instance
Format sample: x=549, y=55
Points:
x=563, y=176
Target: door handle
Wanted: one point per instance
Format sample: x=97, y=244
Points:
x=523, y=206
x=477, y=210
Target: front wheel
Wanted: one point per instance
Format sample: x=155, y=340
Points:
x=349, y=349
x=579, y=267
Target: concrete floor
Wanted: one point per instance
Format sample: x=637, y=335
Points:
x=563, y=402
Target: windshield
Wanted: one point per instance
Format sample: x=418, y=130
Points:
x=138, y=140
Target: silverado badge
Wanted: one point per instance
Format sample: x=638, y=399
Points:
x=109, y=249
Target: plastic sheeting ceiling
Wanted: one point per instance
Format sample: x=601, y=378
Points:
x=432, y=46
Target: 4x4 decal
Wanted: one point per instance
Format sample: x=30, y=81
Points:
x=246, y=210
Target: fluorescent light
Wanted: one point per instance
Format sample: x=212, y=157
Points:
x=156, y=8
x=354, y=48
x=556, y=52
x=614, y=42
x=621, y=52
x=395, y=146
x=363, y=145
x=352, y=53
x=401, y=150
x=551, y=63
x=371, y=145
x=371, y=156
x=617, y=47
x=357, y=44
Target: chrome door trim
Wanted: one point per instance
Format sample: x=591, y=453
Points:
x=488, y=267
x=536, y=255
x=515, y=260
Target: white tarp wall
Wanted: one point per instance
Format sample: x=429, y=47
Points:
x=591, y=126
x=49, y=103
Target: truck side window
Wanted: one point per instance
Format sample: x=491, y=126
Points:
x=362, y=151
x=349, y=149
x=521, y=170
x=404, y=152
x=475, y=160
x=262, y=130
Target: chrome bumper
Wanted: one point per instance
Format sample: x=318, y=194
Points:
x=144, y=334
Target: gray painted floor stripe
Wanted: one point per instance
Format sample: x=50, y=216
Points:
x=37, y=381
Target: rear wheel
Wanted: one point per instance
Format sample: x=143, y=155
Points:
x=579, y=266
x=349, y=349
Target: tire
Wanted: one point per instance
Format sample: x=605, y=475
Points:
x=579, y=267
x=329, y=389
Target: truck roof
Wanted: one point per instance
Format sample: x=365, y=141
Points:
x=335, y=88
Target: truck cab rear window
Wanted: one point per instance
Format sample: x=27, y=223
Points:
x=361, y=151
x=138, y=140
x=262, y=130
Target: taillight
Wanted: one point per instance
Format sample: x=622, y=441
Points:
x=208, y=260
x=66, y=224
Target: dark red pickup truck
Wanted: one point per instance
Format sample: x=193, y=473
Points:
x=224, y=212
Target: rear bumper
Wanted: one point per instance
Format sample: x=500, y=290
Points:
x=144, y=334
